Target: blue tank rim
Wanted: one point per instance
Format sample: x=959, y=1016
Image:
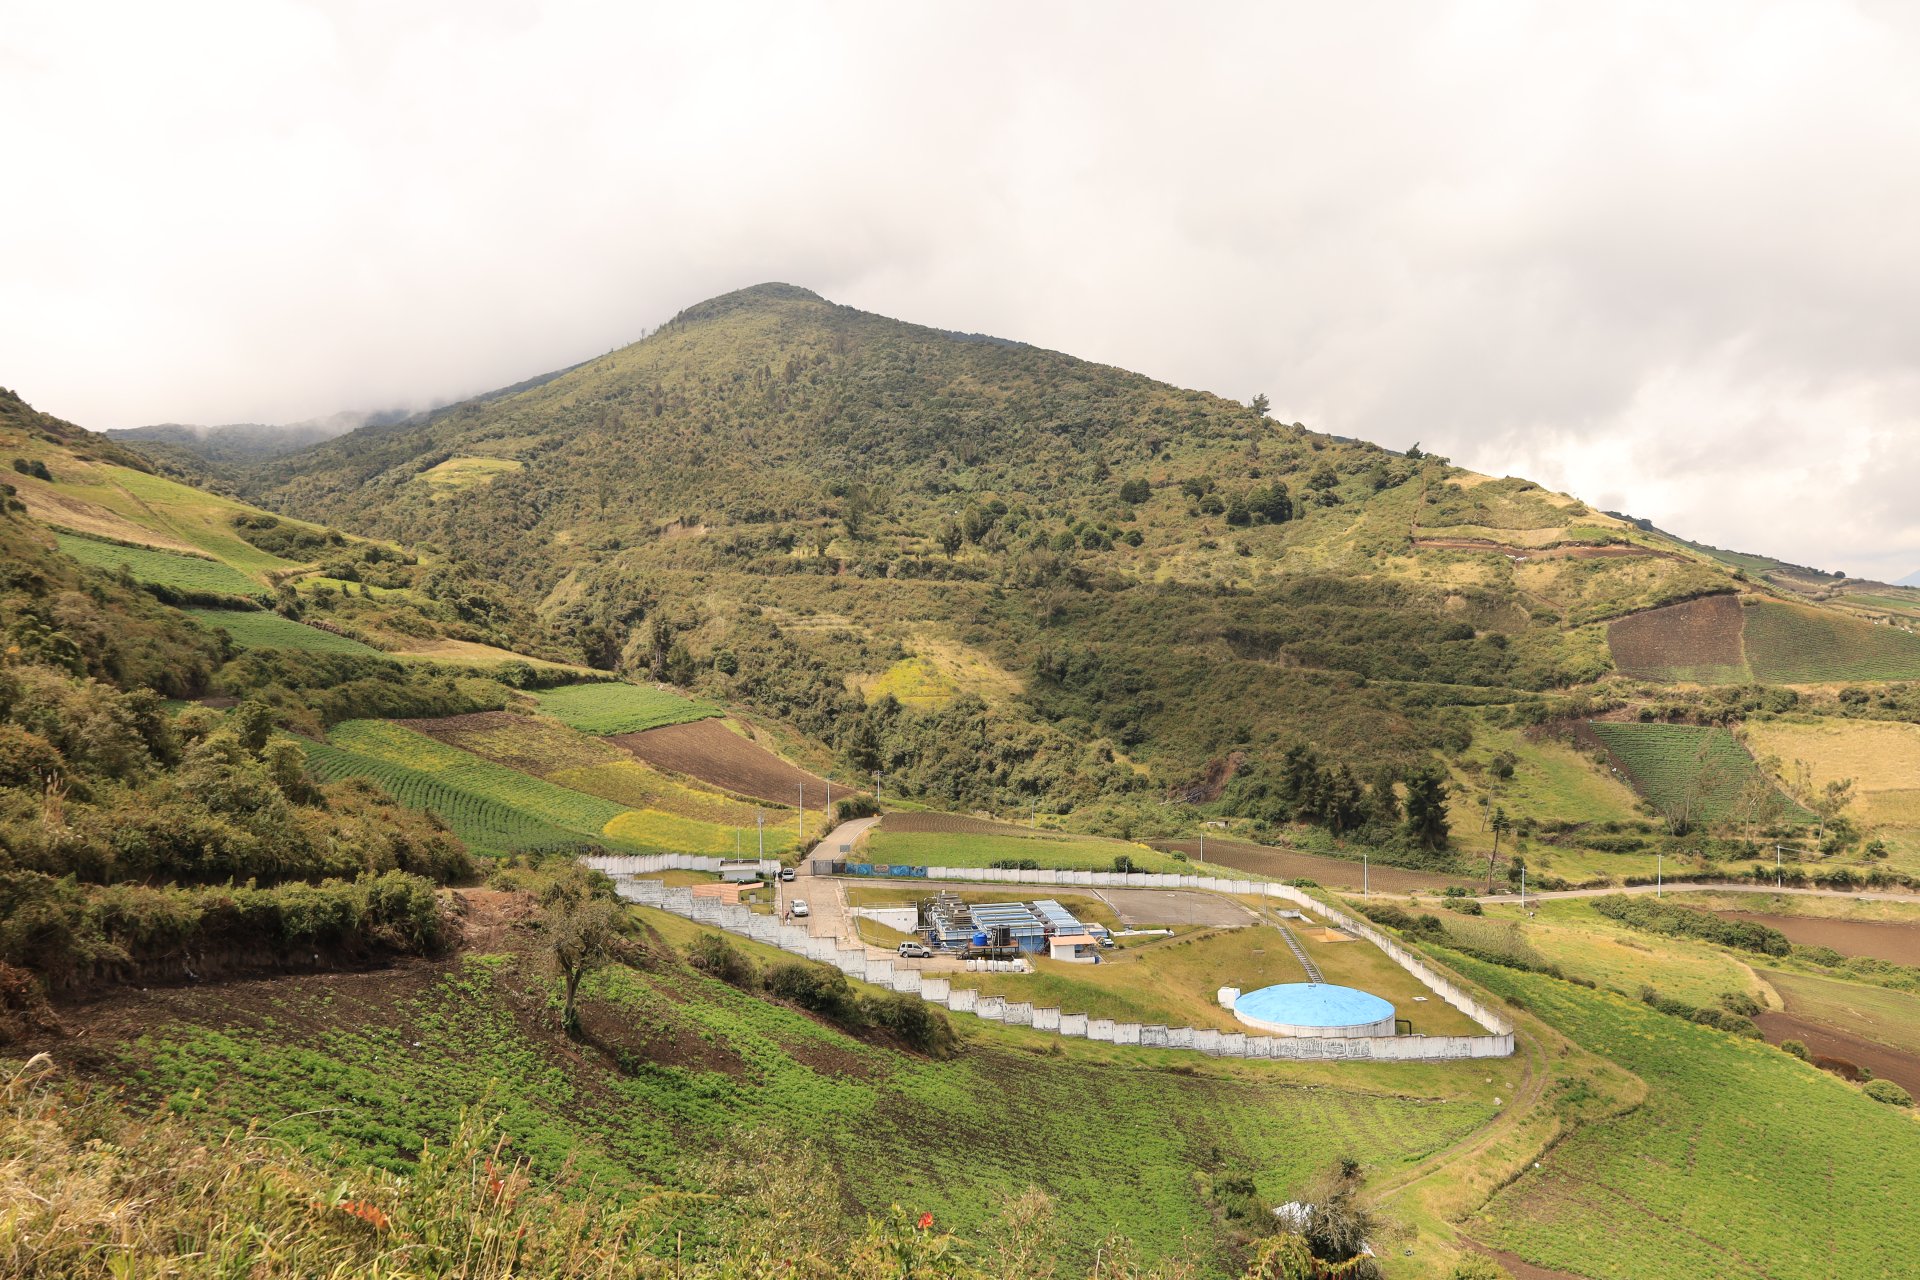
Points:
x=1313, y=1004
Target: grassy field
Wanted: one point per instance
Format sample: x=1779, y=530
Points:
x=259, y=629
x=370, y=1071
x=1570, y=933
x=464, y=473
x=531, y=744
x=1793, y=644
x=1551, y=782
x=1683, y=770
x=609, y=708
x=913, y=682
x=949, y=849
x=163, y=568
x=671, y=833
x=1882, y=757
x=1691, y=1182
x=173, y=513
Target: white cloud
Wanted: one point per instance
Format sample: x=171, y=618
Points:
x=1660, y=255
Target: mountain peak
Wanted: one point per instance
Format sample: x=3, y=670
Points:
x=772, y=293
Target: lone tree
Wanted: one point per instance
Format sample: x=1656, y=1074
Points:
x=1427, y=808
x=1260, y=404
x=581, y=928
x=1501, y=825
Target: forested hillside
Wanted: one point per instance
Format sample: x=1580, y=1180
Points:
x=1109, y=585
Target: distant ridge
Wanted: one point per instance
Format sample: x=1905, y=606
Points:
x=1911, y=580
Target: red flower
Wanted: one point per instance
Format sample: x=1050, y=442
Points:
x=926, y=1221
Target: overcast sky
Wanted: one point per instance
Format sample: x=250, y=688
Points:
x=1665, y=256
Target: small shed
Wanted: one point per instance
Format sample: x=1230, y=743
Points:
x=1074, y=948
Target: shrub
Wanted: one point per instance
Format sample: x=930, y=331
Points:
x=1653, y=916
x=918, y=1024
x=1888, y=1092
x=714, y=956
x=1796, y=1049
x=1475, y=1267
x=817, y=989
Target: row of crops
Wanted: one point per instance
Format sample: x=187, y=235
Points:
x=1790, y=644
x=498, y=809
x=261, y=629
x=1693, y=774
x=485, y=824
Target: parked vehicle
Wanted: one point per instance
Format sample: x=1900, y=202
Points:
x=786, y=873
x=798, y=907
x=916, y=950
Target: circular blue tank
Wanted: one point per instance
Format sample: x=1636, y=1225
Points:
x=1315, y=1009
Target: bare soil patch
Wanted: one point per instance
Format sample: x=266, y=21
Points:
x=1697, y=636
x=1885, y=1063
x=708, y=751
x=1160, y=906
x=1288, y=864
x=1899, y=943
x=1519, y=1266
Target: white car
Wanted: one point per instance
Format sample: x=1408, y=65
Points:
x=915, y=950
x=798, y=907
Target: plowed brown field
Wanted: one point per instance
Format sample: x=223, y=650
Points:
x=716, y=755
x=1699, y=640
x=1286, y=864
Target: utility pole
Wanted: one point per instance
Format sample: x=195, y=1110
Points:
x=760, y=825
x=1363, y=873
x=1523, y=891
x=1659, y=871
x=1777, y=882
x=1203, y=842
x=803, y=813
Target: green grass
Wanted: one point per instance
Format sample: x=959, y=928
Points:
x=609, y=708
x=1570, y=933
x=956, y=849
x=1682, y=769
x=1791, y=644
x=174, y=510
x=478, y=778
x=1741, y=1162
x=265, y=630
x=1551, y=781
x=374, y=1083
x=486, y=825
x=162, y=568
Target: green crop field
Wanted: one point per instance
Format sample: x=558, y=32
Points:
x=1686, y=771
x=958, y=849
x=371, y=1077
x=609, y=708
x=1887, y=1017
x=260, y=629
x=1734, y=1144
x=163, y=568
x=487, y=826
x=482, y=779
x=1791, y=644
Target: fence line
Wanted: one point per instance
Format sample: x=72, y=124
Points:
x=850, y=956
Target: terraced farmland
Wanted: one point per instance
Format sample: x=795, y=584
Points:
x=1792, y=644
x=161, y=568
x=260, y=629
x=488, y=826
x=482, y=779
x=608, y=708
x=1690, y=774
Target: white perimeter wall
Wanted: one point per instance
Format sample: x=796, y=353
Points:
x=850, y=956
